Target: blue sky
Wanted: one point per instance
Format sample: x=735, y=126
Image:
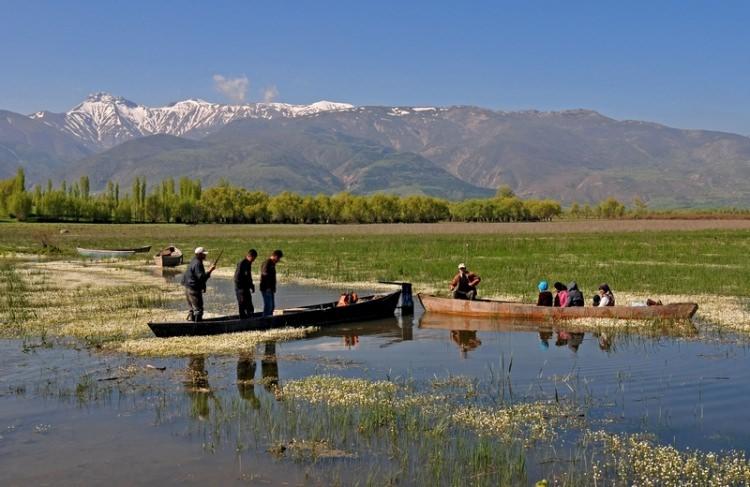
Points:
x=686, y=64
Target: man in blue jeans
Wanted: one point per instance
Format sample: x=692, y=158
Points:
x=268, y=281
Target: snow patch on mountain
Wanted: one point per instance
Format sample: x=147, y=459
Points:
x=103, y=120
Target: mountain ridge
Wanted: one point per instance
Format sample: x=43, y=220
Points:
x=460, y=151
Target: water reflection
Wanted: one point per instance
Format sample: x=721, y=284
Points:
x=246, y=368
x=169, y=274
x=463, y=332
x=393, y=330
x=199, y=391
x=466, y=340
x=544, y=338
x=269, y=368
x=197, y=387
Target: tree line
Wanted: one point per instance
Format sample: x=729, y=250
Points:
x=186, y=201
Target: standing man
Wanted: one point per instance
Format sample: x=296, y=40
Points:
x=194, y=280
x=243, y=284
x=464, y=285
x=268, y=281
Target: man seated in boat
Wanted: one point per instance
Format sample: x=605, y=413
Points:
x=167, y=251
x=464, y=285
x=347, y=298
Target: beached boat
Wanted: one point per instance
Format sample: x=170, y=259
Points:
x=485, y=308
x=367, y=308
x=168, y=257
x=110, y=253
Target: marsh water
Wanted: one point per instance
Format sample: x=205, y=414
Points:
x=73, y=415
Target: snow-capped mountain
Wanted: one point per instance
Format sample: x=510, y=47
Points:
x=455, y=151
x=103, y=120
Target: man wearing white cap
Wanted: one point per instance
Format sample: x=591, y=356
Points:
x=464, y=285
x=194, y=281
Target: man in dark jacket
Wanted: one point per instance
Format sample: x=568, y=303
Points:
x=194, y=280
x=575, y=297
x=268, y=282
x=464, y=284
x=243, y=284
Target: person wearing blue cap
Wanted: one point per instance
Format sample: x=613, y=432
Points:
x=545, y=296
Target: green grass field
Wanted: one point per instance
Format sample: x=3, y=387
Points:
x=510, y=259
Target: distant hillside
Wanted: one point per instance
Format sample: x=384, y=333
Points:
x=276, y=160
x=40, y=149
x=455, y=152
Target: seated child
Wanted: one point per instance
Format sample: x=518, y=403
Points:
x=545, y=296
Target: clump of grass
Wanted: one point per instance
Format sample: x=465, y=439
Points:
x=638, y=460
x=14, y=304
x=306, y=449
x=224, y=344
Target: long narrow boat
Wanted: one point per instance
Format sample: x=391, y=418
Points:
x=111, y=253
x=529, y=312
x=367, y=308
x=168, y=257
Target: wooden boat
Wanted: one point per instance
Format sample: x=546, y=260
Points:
x=168, y=257
x=529, y=312
x=367, y=308
x=110, y=253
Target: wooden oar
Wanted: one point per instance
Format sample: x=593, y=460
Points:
x=217, y=259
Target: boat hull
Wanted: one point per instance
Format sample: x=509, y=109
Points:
x=172, y=260
x=104, y=254
x=533, y=313
x=368, y=308
x=110, y=253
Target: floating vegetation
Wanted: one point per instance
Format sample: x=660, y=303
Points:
x=649, y=328
x=224, y=344
x=729, y=312
x=527, y=421
x=638, y=460
x=95, y=302
x=338, y=391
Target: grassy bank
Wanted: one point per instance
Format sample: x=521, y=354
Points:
x=646, y=257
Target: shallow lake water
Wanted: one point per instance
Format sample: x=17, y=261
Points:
x=72, y=415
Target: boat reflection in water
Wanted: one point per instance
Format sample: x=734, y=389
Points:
x=463, y=331
x=394, y=330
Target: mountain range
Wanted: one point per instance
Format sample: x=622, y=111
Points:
x=453, y=152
